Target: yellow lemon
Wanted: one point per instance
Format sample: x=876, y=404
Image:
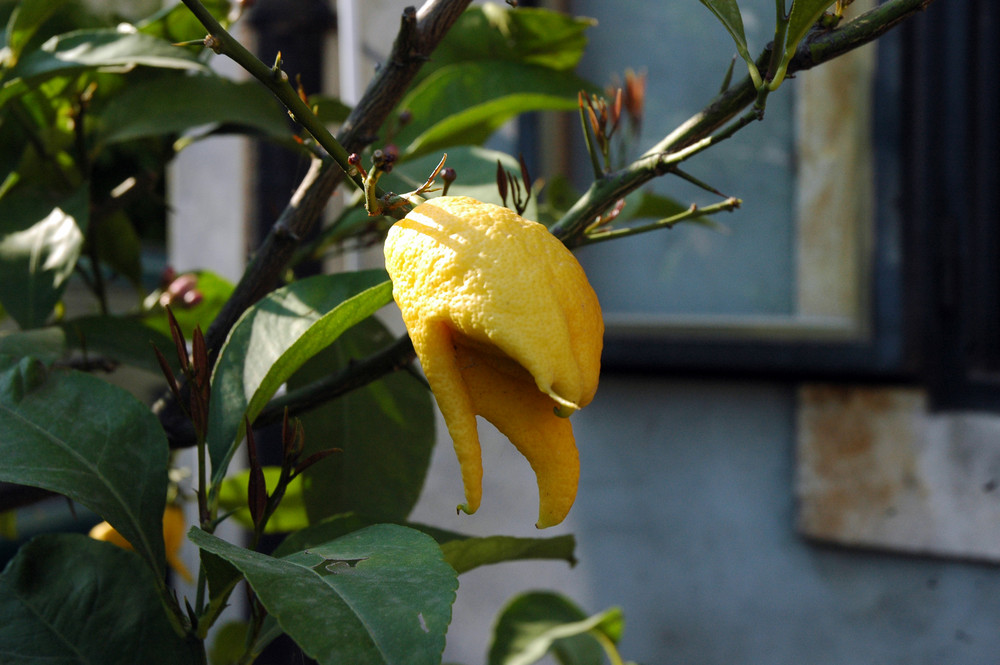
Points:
x=173, y=537
x=506, y=326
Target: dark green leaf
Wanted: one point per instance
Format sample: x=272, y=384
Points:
x=467, y=553
x=377, y=596
x=466, y=102
x=336, y=526
x=46, y=344
x=329, y=110
x=68, y=599
x=77, y=435
x=28, y=16
x=120, y=339
x=536, y=622
x=385, y=430
x=123, y=339
x=463, y=553
x=274, y=338
x=40, y=241
x=119, y=246
x=174, y=104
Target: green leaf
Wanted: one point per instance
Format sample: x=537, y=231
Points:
x=121, y=338
x=467, y=553
x=119, y=246
x=530, y=36
x=376, y=596
x=28, y=16
x=463, y=553
x=728, y=13
x=329, y=110
x=93, y=49
x=385, y=430
x=174, y=104
x=803, y=15
x=273, y=339
x=534, y=623
x=176, y=23
x=77, y=435
x=466, y=102
x=40, y=241
x=45, y=344
x=291, y=513
x=68, y=599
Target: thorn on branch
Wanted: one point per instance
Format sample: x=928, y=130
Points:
x=214, y=43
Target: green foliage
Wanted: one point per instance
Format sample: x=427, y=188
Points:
x=66, y=598
x=382, y=459
x=789, y=31
x=494, y=65
x=91, y=114
x=535, y=623
x=40, y=242
x=273, y=339
x=376, y=596
x=80, y=436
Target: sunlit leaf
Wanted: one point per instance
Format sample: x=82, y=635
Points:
x=274, y=338
x=466, y=102
x=93, y=49
x=531, y=36
x=536, y=622
x=40, y=241
x=378, y=596
x=28, y=16
x=176, y=23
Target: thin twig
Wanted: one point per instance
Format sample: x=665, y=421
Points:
x=719, y=113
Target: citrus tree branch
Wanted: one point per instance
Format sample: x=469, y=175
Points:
x=721, y=117
x=420, y=32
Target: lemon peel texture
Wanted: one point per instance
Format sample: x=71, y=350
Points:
x=506, y=326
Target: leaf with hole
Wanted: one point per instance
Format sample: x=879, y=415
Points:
x=378, y=596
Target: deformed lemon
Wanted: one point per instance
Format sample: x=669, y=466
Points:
x=506, y=326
